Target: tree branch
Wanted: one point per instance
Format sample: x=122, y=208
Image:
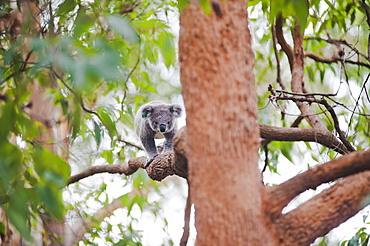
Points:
x=293, y=134
x=170, y=163
x=133, y=165
x=321, y=59
x=367, y=11
x=175, y=163
x=281, y=40
x=280, y=195
x=298, y=81
x=185, y=234
x=131, y=144
x=325, y=211
x=330, y=109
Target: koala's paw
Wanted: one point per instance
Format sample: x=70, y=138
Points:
x=150, y=161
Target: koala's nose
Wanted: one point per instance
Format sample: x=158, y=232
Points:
x=162, y=127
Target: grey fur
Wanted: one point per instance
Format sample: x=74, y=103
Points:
x=156, y=120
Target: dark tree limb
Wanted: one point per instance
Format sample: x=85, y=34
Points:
x=281, y=40
x=341, y=134
x=276, y=53
x=334, y=59
x=338, y=42
x=133, y=165
x=325, y=211
x=280, y=195
x=367, y=11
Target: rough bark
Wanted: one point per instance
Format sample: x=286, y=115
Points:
x=280, y=195
x=325, y=138
x=325, y=211
x=218, y=89
x=298, y=82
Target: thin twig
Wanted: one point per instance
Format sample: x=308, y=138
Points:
x=334, y=59
x=185, y=235
x=131, y=144
x=329, y=109
x=128, y=77
x=328, y=96
x=358, y=99
x=337, y=42
x=75, y=94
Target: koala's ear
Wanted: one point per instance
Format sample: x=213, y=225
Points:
x=146, y=111
x=176, y=110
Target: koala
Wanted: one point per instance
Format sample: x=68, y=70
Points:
x=156, y=120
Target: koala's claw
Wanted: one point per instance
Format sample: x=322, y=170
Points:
x=150, y=161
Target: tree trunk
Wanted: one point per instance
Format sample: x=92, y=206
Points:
x=220, y=99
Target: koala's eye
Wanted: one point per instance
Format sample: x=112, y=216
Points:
x=155, y=123
x=168, y=122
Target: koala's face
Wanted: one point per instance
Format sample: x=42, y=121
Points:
x=162, y=118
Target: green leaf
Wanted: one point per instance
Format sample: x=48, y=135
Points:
x=105, y=63
x=18, y=213
x=286, y=150
x=150, y=53
x=148, y=25
x=83, y=22
x=182, y=5
x=300, y=8
x=108, y=123
x=205, y=5
x=7, y=120
x=2, y=228
x=108, y=155
x=76, y=119
x=51, y=169
x=167, y=47
x=66, y=7
x=52, y=198
x=10, y=164
x=295, y=8
x=123, y=27
x=97, y=134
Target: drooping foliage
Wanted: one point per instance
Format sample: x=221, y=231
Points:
x=97, y=61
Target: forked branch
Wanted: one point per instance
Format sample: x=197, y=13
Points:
x=325, y=211
x=280, y=195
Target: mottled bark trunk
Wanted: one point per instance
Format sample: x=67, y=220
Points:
x=220, y=99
